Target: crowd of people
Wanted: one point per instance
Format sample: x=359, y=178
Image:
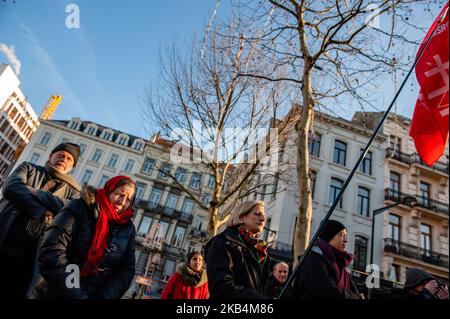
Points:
x=60, y=240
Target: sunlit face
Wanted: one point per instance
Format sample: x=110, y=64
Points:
x=281, y=272
x=63, y=161
x=196, y=263
x=339, y=241
x=121, y=197
x=255, y=220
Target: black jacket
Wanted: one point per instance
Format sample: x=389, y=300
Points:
x=18, y=206
x=318, y=279
x=232, y=268
x=67, y=242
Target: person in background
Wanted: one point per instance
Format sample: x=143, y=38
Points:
x=323, y=274
x=189, y=280
x=421, y=285
x=237, y=260
x=89, y=250
x=276, y=282
x=32, y=196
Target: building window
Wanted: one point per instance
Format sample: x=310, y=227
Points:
x=91, y=130
x=129, y=166
x=140, y=189
x=65, y=140
x=74, y=125
x=395, y=143
x=366, y=164
x=312, y=181
x=163, y=228
x=395, y=184
x=138, y=146
x=113, y=160
x=46, y=138
x=82, y=149
x=425, y=239
x=155, y=197
x=144, y=226
x=211, y=182
x=394, y=227
x=169, y=268
x=180, y=175
x=424, y=198
x=335, y=188
x=340, y=150
x=103, y=180
x=314, y=144
x=164, y=170
x=86, y=177
x=148, y=166
x=395, y=273
x=35, y=158
x=199, y=224
x=360, y=259
x=363, y=201
x=177, y=239
x=171, y=203
x=195, y=181
x=187, y=207
x=122, y=140
x=97, y=155
x=107, y=136
x=206, y=198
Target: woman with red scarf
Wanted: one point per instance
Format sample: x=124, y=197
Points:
x=89, y=250
x=323, y=274
x=236, y=259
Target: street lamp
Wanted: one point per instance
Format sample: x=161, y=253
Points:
x=408, y=200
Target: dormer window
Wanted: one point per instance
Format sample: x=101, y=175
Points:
x=138, y=145
x=91, y=129
x=107, y=135
x=122, y=140
x=74, y=124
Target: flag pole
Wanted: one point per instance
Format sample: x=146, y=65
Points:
x=361, y=157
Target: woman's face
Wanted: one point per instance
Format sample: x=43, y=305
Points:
x=340, y=240
x=255, y=220
x=121, y=197
x=196, y=263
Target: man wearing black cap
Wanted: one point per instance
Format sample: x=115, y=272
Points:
x=323, y=274
x=32, y=195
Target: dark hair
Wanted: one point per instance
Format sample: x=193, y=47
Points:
x=191, y=255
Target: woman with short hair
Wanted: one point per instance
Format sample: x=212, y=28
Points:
x=237, y=260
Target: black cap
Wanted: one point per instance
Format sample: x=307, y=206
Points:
x=71, y=148
x=415, y=277
x=331, y=229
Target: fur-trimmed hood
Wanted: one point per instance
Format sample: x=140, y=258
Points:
x=87, y=194
x=190, y=277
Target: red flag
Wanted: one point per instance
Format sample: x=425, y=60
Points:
x=429, y=125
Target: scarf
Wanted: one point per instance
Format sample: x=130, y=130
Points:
x=259, y=244
x=190, y=277
x=106, y=215
x=53, y=182
x=339, y=259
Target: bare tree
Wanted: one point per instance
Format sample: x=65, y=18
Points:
x=219, y=121
x=334, y=53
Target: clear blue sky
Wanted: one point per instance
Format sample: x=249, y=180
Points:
x=101, y=68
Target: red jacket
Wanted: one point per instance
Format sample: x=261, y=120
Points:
x=177, y=289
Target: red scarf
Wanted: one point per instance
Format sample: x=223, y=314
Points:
x=106, y=214
x=252, y=239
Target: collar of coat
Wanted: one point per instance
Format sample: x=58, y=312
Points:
x=87, y=194
x=190, y=277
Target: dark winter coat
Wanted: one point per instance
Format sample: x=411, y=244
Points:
x=67, y=242
x=232, y=268
x=18, y=206
x=318, y=279
x=273, y=287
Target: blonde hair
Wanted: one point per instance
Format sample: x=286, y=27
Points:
x=242, y=210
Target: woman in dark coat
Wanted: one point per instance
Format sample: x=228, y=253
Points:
x=189, y=280
x=237, y=261
x=89, y=250
x=323, y=274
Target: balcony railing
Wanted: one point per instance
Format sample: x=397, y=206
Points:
x=186, y=217
x=414, y=252
x=415, y=159
x=424, y=202
x=198, y=233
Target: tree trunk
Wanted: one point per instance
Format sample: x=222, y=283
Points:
x=304, y=214
x=213, y=222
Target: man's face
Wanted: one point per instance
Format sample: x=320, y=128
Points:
x=281, y=273
x=62, y=160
